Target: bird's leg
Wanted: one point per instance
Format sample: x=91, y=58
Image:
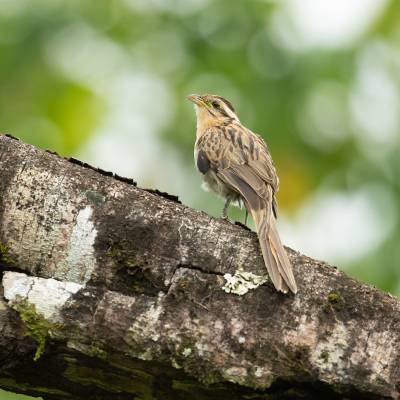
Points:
x=225, y=209
x=245, y=217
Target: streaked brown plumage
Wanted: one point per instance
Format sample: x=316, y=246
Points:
x=236, y=165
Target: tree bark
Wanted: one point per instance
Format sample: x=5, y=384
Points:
x=114, y=292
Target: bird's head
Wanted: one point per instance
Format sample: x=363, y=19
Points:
x=212, y=109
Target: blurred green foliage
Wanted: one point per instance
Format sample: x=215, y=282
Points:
x=329, y=111
x=12, y=396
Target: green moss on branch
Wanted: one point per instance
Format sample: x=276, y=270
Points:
x=36, y=325
x=5, y=258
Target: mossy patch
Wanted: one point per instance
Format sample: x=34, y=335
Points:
x=5, y=255
x=36, y=325
x=114, y=251
x=130, y=264
x=97, y=351
x=335, y=300
x=117, y=252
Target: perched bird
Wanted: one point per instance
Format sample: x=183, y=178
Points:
x=237, y=166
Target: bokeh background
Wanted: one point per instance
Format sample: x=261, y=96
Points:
x=105, y=81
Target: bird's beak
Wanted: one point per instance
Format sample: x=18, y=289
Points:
x=196, y=99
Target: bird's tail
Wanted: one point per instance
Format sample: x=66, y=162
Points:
x=275, y=256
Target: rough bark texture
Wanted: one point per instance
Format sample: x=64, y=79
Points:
x=116, y=292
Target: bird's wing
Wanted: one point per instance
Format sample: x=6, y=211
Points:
x=241, y=159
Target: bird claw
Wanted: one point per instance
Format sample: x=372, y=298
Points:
x=226, y=218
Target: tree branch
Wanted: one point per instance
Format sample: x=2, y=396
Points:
x=117, y=293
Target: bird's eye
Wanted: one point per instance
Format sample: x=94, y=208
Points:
x=215, y=104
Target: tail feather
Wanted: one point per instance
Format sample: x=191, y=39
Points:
x=259, y=201
x=274, y=254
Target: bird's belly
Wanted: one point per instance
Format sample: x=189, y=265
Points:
x=211, y=182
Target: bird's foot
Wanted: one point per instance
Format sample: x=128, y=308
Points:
x=226, y=218
x=245, y=218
